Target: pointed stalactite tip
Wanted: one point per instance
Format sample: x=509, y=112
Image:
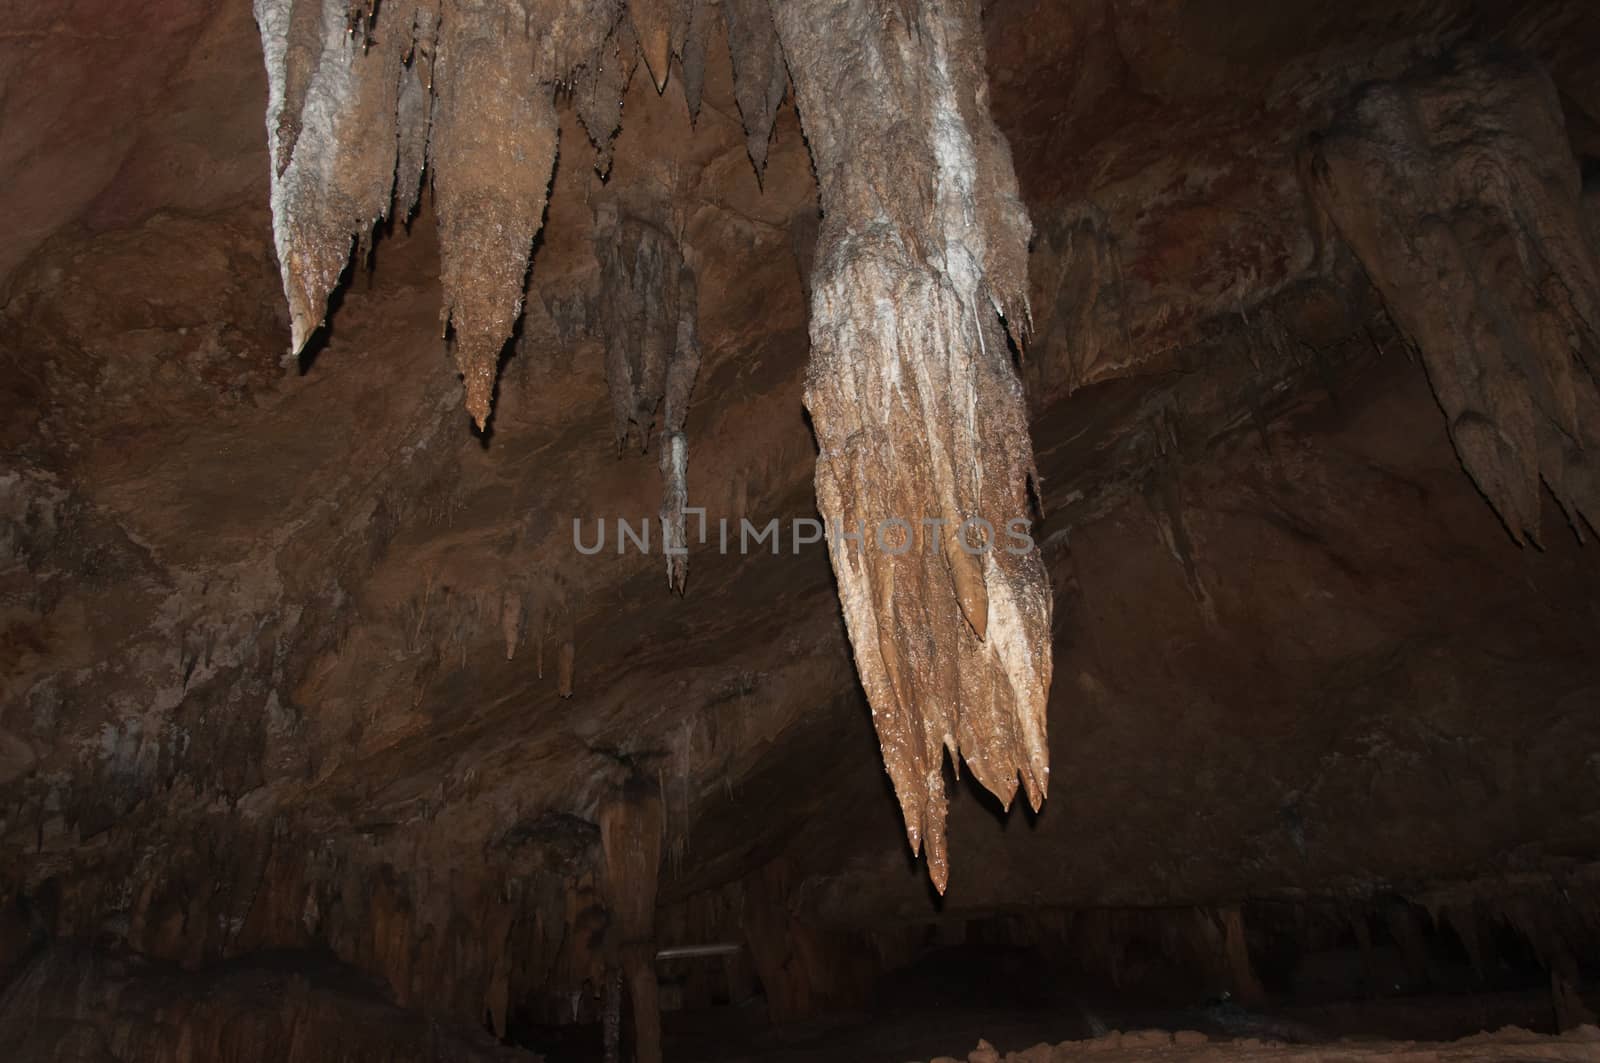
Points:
x=480, y=395
x=657, y=57
x=652, y=22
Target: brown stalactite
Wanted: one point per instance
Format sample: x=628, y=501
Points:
x=492, y=152
x=414, y=111
x=1459, y=193
x=681, y=374
x=922, y=253
x=759, y=76
x=653, y=24
x=917, y=409
x=648, y=318
x=698, y=18
x=598, y=92
x=639, y=273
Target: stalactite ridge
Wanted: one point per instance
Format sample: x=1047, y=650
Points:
x=332, y=101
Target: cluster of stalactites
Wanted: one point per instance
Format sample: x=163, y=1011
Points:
x=648, y=308
x=921, y=262
x=921, y=266
x=1459, y=193
x=363, y=97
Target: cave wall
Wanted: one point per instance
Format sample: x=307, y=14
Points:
x=260, y=690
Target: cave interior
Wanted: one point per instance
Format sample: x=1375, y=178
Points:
x=778, y=530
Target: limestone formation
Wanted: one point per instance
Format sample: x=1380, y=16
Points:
x=1457, y=189
x=296, y=759
x=920, y=291
x=760, y=79
x=647, y=318
x=917, y=408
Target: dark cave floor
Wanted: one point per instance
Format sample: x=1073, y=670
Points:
x=942, y=1009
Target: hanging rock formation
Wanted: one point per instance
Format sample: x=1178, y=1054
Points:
x=597, y=95
x=493, y=148
x=348, y=110
x=332, y=111
x=1458, y=191
x=760, y=80
x=921, y=257
x=647, y=318
x=917, y=408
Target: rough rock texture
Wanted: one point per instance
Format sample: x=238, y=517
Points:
x=345, y=125
x=356, y=97
x=923, y=252
x=492, y=147
x=760, y=77
x=648, y=315
x=72, y=1004
x=254, y=689
x=1458, y=190
x=631, y=829
x=925, y=457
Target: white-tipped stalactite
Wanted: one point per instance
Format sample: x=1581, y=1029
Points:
x=647, y=316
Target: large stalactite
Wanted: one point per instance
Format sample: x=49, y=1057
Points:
x=921, y=272
x=1457, y=189
x=917, y=407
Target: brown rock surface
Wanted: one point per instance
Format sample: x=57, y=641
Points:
x=292, y=662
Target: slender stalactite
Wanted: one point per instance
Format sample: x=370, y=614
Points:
x=759, y=78
x=597, y=95
x=697, y=17
x=918, y=410
x=681, y=375
x=648, y=319
x=414, y=111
